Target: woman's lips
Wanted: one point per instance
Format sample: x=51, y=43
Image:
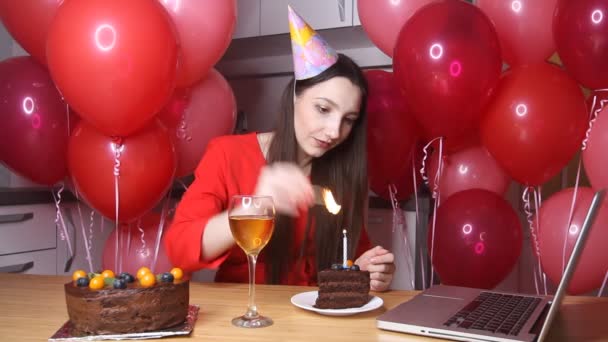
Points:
x=322, y=144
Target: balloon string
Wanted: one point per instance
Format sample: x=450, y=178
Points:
x=399, y=221
x=415, y=191
x=529, y=217
x=142, y=250
x=161, y=226
x=182, y=129
x=392, y=190
x=118, y=147
x=128, y=239
x=425, y=157
x=59, y=221
x=91, y=224
x=67, y=112
x=436, y=202
x=601, y=291
x=418, y=220
x=593, y=114
x=122, y=243
x=570, y=216
x=182, y=184
x=537, y=204
x=422, y=270
x=86, y=239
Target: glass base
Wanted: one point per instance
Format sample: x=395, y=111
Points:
x=252, y=322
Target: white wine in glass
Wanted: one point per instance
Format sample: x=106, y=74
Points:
x=251, y=223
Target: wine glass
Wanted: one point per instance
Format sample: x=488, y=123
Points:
x=251, y=223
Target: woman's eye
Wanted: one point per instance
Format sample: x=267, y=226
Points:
x=322, y=110
x=350, y=121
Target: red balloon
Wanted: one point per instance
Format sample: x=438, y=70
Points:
x=205, y=30
x=525, y=28
x=114, y=61
x=447, y=60
x=478, y=239
x=147, y=165
x=197, y=115
x=593, y=262
x=595, y=158
x=580, y=29
x=34, y=134
x=136, y=254
x=382, y=20
x=392, y=134
x=471, y=168
x=535, y=123
x=28, y=22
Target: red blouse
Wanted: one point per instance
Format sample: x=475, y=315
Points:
x=231, y=165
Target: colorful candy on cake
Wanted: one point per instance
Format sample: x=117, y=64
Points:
x=102, y=303
x=343, y=285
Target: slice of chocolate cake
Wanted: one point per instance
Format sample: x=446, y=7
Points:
x=341, y=288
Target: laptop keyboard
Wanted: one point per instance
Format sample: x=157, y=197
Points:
x=495, y=312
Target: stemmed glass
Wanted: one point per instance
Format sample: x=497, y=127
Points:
x=251, y=223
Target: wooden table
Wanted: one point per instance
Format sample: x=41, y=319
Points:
x=32, y=308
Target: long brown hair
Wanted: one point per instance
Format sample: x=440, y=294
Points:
x=343, y=169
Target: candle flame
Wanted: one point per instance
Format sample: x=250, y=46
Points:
x=330, y=203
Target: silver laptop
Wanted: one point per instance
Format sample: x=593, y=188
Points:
x=467, y=314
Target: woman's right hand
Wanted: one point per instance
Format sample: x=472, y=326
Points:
x=289, y=187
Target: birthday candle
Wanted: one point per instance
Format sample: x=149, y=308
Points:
x=344, y=248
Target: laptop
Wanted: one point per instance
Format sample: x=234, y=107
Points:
x=468, y=314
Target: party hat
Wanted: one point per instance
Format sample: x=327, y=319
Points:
x=311, y=53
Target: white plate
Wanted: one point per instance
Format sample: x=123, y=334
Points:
x=306, y=301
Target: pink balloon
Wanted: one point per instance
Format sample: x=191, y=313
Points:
x=525, y=28
x=136, y=254
x=197, y=115
x=595, y=157
x=382, y=19
x=205, y=30
x=593, y=263
x=478, y=239
x=471, y=168
x=34, y=122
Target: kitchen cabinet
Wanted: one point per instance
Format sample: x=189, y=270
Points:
x=356, y=19
x=320, y=14
x=29, y=239
x=248, y=19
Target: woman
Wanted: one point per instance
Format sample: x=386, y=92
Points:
x=320, y=139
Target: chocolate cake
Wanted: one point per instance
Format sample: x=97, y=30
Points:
x=130, y=309
x=341, y=288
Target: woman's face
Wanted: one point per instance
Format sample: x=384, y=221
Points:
x=324, y=115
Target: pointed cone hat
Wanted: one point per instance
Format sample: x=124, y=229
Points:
x=311, y=53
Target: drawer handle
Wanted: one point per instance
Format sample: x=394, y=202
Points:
x=342, y=10
x=17, y=268
x=14, y=218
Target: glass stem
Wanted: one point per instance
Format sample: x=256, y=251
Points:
x=252, y=310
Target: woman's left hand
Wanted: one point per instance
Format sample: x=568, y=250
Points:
x=380, y=264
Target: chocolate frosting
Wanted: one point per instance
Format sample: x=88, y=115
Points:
x=339, y=289
x=135, y=309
